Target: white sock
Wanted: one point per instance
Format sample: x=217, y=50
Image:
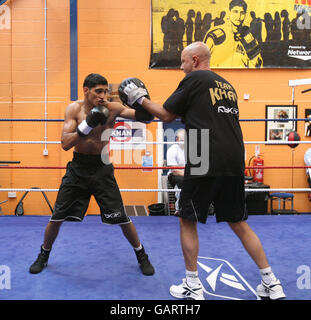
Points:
x=267, y=275
x=192, y=278
x=139, y=248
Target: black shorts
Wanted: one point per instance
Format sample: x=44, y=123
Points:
x=175, y=180
x=226, y=193
x=87, y=175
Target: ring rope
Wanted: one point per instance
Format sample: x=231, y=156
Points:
x=115, y=167
x=277, y=142
x=30, y=142
x=130, y=120
x=159, y=190
x=152, y=168
x=113, y=142
x=156, y=142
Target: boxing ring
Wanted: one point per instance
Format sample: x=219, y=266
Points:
x=91, y=261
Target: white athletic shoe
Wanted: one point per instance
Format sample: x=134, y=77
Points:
x=273, y=290
x=183, y=291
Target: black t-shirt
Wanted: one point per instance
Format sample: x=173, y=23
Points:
x=204, y=100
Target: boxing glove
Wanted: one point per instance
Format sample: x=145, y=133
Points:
x=248, y=42
x=97, y=115
x=131, y=92
x=217, y=35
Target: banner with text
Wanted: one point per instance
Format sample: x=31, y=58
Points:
x=239, y=33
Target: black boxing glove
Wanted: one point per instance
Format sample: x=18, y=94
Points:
x=217, y=35
x=97, y=115
x=249, y=43
x=131, y=92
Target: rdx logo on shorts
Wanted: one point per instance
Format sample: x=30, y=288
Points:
x=112, y=215
x=224, y=109
x=222, y=280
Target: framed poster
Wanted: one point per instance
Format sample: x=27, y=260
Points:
x=308, y=123
x=279, y=129
x=241, y=34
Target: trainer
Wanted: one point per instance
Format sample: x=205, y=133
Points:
x=208, y=105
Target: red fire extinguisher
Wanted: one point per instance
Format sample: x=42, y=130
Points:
x=258, y=172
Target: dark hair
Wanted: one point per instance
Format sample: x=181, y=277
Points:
x=238, y=3
x=94, y=79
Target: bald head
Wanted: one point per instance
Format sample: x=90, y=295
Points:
x=180, y=137
x=200, y=49
x=180, y=134
x=196, y=56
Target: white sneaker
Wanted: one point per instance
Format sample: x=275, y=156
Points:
x=183, y=291
x=273, y=290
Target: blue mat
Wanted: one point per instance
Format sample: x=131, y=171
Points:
x=92, y=261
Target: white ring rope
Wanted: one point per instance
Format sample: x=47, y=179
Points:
x=159, y=190
x=156, y=142
x=277, y=142
x=30, y=142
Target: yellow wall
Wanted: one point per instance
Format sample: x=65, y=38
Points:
x=114, y=40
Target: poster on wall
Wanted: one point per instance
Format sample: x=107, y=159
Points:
x=240, y=33
x=5, y=16
x=126, y=134
x=308, y=122
x=279, y=129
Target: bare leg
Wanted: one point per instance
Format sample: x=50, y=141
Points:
x=130, y=234
x=250, y=242
x=189, y=243
x=254, y=248
x=191, y=286
x=50, y=234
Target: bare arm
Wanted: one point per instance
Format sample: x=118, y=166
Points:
x=127, y=113
x=69, y=134
x=178, y=172
x=158, y=111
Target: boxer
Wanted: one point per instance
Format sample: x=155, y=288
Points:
x=87, y=174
